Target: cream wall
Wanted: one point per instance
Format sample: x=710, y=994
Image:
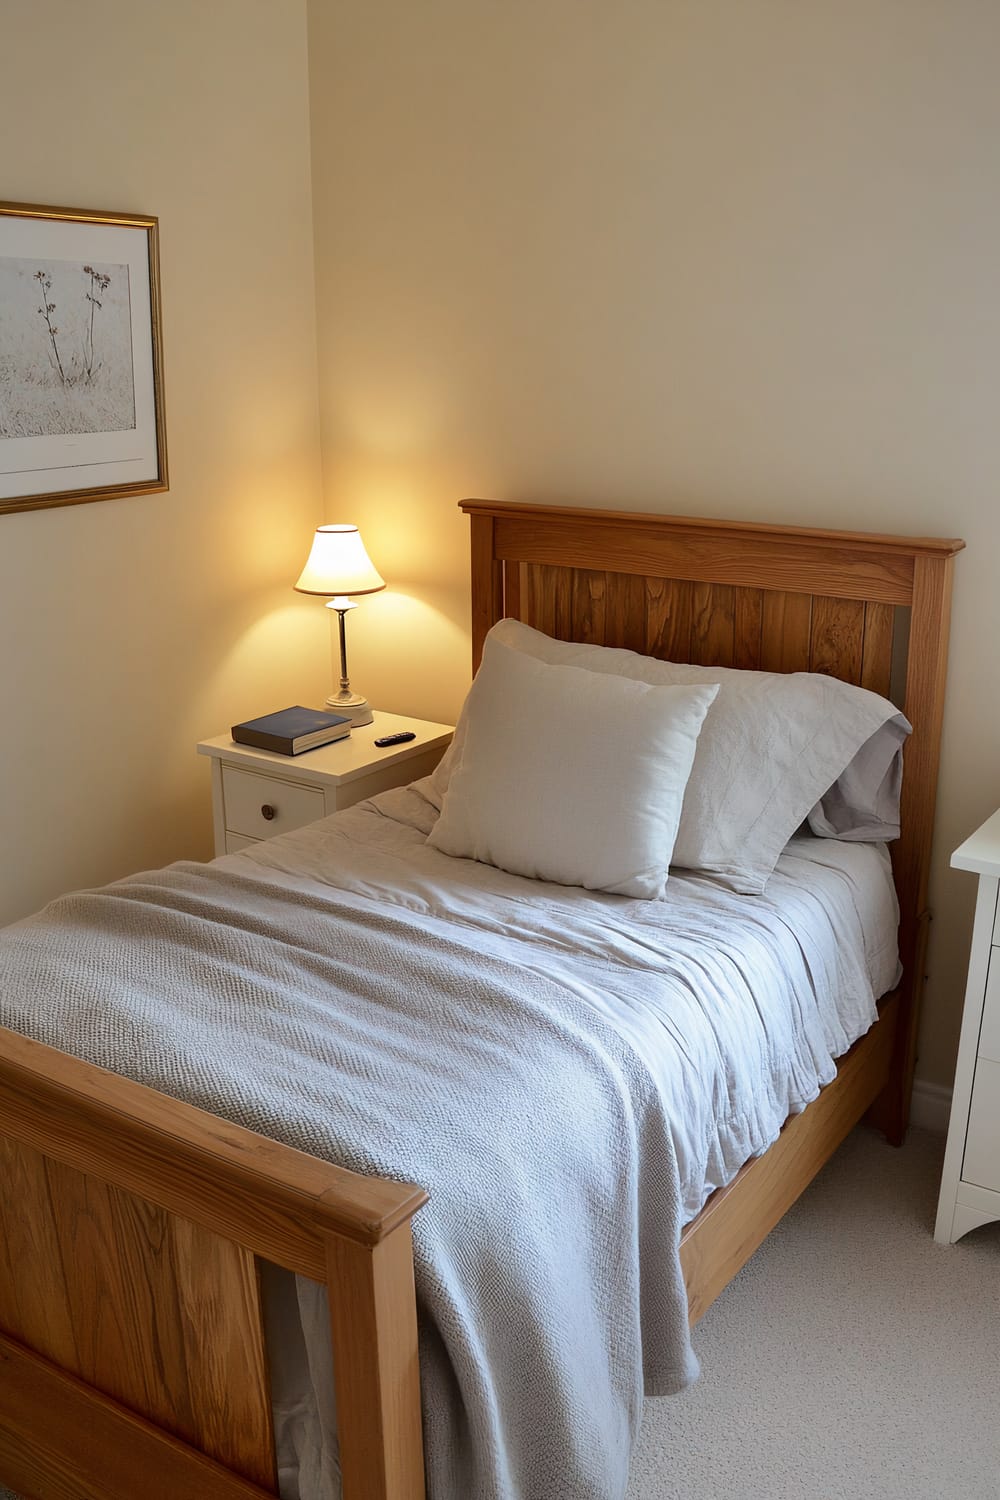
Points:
x=132, y=628
x=731, y=257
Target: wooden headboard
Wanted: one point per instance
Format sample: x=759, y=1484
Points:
x=870, y=609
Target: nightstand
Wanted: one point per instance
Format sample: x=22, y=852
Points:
x=256, y=795
x=970, y=1180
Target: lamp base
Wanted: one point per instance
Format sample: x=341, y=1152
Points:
x=351, y=706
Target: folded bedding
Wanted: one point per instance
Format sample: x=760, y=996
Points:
x=569, y=1073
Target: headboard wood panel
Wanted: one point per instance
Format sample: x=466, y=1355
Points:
x=709, y=624
x=725, y=593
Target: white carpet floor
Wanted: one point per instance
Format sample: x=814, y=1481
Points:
x=852, y=1359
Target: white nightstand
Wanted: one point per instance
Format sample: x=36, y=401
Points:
x=256, y=795
x=970, y=1180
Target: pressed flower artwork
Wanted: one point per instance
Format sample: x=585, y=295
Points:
x=65, y=348
x=81, y=396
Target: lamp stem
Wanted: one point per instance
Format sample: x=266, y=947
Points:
x=352, y=705
x=345, y=685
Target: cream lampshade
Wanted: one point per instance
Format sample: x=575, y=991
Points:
x=339, y=565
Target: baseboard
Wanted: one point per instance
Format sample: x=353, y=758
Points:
x=930, y=1106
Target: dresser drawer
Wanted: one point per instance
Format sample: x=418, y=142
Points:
x=989, y=1035
x=982, y=1141
x=261, y=806
x=995, y=907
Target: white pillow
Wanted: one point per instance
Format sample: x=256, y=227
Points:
x=569, y=775
x=774, y=744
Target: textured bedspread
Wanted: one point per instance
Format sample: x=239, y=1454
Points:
x=520, y=1050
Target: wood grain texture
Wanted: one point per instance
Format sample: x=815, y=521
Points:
x=512, y=587
x=539, y=606
x=374, y=1331
x=29, y=1239
x=890, y=1112
x=926, y=672
x=713, y=625
x=590, y=601
x=786, y=631
x=837, y=638
x=153, y=1311
x=62, y=1440
x=669, y=613
x=487, y=581
x=703, y=557
x=876, y=653
x=625, y=611
x=571, y=519
x=748, y=629
x=219, y=1303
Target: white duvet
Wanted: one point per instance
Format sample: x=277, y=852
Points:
x=570, y=1074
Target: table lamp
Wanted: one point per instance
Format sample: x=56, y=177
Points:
x=339, y=565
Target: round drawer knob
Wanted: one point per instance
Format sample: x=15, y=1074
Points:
x=267, y=812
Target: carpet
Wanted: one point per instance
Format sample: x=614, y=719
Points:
x=851, y=1359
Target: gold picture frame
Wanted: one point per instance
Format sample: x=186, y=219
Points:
x=81, y=357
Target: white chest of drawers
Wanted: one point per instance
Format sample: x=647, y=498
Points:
x=970, y=1180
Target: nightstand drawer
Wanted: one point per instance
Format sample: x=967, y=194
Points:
x=261, y=806
x=989, y=1036
x=982, y=1141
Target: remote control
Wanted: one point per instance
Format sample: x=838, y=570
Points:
x=403, y=738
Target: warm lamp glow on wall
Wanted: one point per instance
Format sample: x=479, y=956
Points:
x=339, y=565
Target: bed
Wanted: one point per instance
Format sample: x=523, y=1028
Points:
x=130, y=1282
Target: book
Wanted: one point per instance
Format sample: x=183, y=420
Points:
x=292, y=730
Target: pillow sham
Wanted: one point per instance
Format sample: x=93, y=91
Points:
x=862, y=806
x=774, y=746
x=572, y=776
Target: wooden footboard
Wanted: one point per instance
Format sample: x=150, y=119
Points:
x=132, y=1353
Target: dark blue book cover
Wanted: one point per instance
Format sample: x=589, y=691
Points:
x=285, y=730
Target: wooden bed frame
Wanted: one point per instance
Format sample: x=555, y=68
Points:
x=132, y=1353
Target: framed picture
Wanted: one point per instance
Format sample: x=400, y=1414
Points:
x=81, y=365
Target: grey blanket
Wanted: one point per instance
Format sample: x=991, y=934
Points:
x=548, y=1281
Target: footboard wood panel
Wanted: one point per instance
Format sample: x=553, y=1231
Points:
x=156, y=1312
x=62, y=1440
x=135, y=1207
